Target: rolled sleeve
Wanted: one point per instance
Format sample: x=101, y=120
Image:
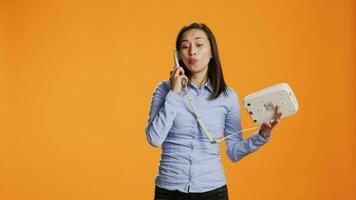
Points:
x=173, y=101
x=164, y=108
x=237, y=147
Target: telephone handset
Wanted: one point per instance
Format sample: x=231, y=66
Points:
x=176, y=61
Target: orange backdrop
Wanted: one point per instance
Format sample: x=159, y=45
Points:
x=76, y=80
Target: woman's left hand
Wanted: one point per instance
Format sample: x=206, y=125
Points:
x=266, y=128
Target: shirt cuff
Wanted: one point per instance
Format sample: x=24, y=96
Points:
x=259, y=139
x=263, y=138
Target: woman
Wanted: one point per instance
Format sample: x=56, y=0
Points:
x=190, y=166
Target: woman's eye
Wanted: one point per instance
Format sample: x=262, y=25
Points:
x=199, y=45
x=184, y=47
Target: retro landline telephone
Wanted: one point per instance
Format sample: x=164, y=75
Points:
x=259, y=105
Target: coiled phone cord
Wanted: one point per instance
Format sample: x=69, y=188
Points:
x=202, y=125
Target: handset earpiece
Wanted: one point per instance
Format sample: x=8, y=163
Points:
x=176, y=58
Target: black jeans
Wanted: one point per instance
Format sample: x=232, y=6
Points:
x=217, y=194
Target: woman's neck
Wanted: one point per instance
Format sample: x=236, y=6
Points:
x=199, y=79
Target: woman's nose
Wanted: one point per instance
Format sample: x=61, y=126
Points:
x=192, y=51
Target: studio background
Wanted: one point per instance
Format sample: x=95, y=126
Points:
x=76, y=80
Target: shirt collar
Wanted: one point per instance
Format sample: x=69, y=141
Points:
x=206, y=85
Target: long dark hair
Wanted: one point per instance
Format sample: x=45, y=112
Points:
x=215, y=73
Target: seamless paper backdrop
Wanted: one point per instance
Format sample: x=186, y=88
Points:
x=76, y=80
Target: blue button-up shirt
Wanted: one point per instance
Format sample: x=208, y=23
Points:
x=189, y=162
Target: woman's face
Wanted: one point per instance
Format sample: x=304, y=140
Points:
x=195, y=50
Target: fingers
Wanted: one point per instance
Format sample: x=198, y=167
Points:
x=177, y=78
x=277, y=117
x=277, y=114
x=273, y=123
x=267, y=127
x=178, y=71
x=184, y=79
x=172, y=72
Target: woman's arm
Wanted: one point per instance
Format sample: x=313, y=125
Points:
x=236, y=146
x=164, y=107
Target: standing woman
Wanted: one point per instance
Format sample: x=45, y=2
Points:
x=190, y=166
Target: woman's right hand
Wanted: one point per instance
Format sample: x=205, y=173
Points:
x=177, y=78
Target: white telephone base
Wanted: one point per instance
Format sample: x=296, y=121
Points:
x=260, y=105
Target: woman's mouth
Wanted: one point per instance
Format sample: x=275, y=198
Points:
x=193, y=61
